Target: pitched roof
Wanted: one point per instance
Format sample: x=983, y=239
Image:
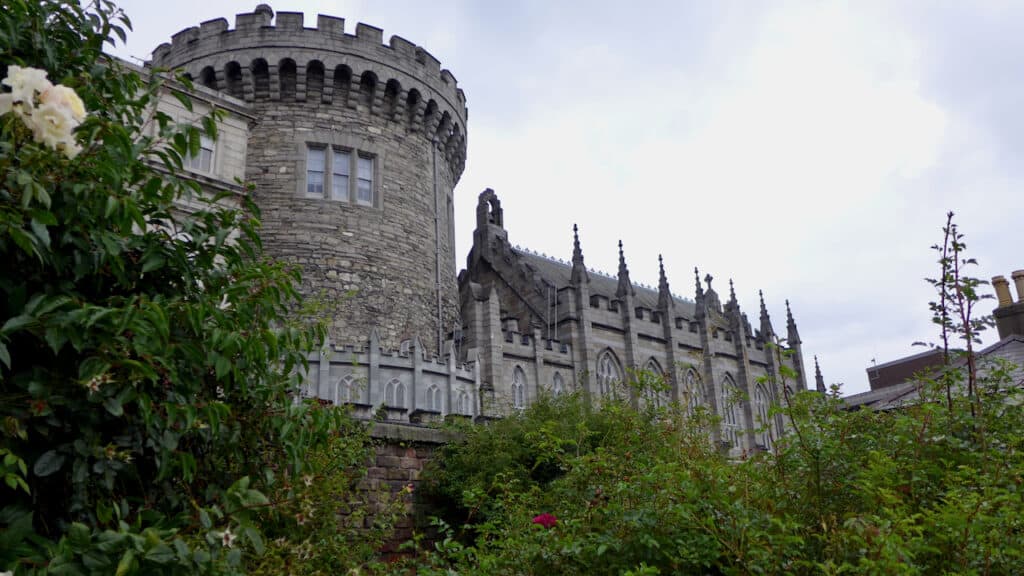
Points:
x=1010, y=349
x=559, y=274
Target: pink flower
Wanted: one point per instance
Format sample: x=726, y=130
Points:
x=546, y=520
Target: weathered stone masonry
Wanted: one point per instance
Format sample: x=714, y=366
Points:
x=388, y=266
x=355, y=148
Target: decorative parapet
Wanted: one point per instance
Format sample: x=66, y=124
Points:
x=277, y=58
x=394, y=385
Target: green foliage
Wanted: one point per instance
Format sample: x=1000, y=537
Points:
x=932, y=488
x=907, y=492
x=148, y=363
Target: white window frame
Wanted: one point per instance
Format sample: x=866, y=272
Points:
x=363, y=166
x=195, y=163
x=322, y=152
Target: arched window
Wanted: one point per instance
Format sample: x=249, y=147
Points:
x=693, y=391
x=412, y=104
x=314, y=81
x=518, y=388
x=762, y=404
x=342, y=84
x=343, y=390
x=287, y=74
x=208, y=78
x=392, y=91
x=233, y=78
x=463, y=404
x=558, y=385
x=609, y=375
x=394, y=394
x=434, y=398
x=260, y=79
x=367, y=89
x=444, y=127
x=731, y=412
x=655, y=392
x=430, y=117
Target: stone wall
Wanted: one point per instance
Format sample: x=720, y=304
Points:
x=401, y=453
x=397, y=385
x=390, y=264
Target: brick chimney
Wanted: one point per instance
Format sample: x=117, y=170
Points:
x=1009, y=314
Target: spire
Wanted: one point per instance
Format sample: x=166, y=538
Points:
x=793, y=337
x=665, y=300
x=577, y=252
x=696, y=280
x=625, y=286
x=767, y=332
x=579, y=270
x=818, y=380
x=732, y=306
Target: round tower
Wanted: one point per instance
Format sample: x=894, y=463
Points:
x=354, y=155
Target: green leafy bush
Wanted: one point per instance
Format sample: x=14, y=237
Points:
x=934, y=487
x=148, y=363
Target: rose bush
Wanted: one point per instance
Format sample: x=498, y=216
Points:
x=148, y=360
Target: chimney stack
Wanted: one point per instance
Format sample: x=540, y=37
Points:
x=1009, y=315
x=1002, y=288
x=1018, y=279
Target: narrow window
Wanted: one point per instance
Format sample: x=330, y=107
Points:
x=340, y=169
x=315, y=164
x=518, y=388
x=558, y=388
x=203, y=161
x=365, y=180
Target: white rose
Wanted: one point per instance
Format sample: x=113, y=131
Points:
x=6, y=102
x=52, y=125
x=25, y=82
x=64, y=97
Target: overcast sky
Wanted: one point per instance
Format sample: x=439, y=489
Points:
x=808, y=149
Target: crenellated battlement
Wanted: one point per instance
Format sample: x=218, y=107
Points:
x=277, y=58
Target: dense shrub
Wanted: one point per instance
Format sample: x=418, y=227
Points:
x=933, y=487
x=148, y=362
x=914, y=491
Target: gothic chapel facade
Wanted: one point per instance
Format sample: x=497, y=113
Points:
x=355, y=147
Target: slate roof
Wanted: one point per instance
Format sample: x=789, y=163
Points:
x=1010, y=348
x=559, y=274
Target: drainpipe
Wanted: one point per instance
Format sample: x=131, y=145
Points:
x=437, y=247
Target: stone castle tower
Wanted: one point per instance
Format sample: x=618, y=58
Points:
x=355, y=151
x=354, y=148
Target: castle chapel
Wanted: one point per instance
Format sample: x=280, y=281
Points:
x=355, y=148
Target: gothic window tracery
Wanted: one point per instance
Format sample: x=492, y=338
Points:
x=693, y=392
x=609, y=374
x=434, y=398
x=655, y=394
x=762, y=403
x=462, y=404
x=518, y=388
x=343, y=390
x=731, y=412
x=394, y=394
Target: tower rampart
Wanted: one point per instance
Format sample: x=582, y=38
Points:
x=355, y=153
